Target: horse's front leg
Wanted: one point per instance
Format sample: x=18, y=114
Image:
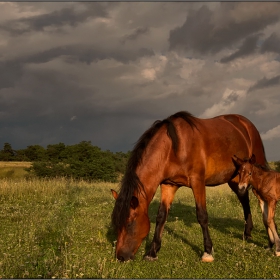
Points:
x=272, y=226
x=199, y=192
x=245, y=202
x=167, y=196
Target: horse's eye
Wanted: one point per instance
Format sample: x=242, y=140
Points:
x=250, y=173
x=130, y=225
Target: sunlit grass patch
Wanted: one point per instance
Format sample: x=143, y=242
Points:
x=13, y=169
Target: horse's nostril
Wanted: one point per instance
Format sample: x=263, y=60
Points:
x=125, y=256
x=120, y=258
x=132, y=258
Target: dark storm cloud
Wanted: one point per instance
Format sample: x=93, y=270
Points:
x=200, y=34
x=57, y=19
x=12, y=70
x=271, y=44
x=133, y=36
x=264, y=83
x=248, y=47
x=88, y=54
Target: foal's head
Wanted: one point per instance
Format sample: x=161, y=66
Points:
x=245, y=171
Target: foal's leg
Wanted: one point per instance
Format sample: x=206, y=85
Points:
x=199, y=192
x=272, y=226
x=167, y=196
x=245, y=202
x=264, y=209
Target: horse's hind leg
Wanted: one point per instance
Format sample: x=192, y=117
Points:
x=167, y=196
x=245, y=202
x=272, y=226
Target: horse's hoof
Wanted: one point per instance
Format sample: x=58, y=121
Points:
x=207, y=257
x=247, y=237
x=277, y=254
x=268, y=248
x=149, y=258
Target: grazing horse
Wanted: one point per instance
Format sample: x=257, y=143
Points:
x=266, y=186
x=181, y=150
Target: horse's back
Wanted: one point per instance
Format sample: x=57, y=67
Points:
x=209, y=146
x=239, y=133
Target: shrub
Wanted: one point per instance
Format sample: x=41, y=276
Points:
x=80, y=161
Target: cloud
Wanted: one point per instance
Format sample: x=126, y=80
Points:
x=224, y=106
x=56, y=19
x=134, y=35
x=205, y=31
x=88, y=54
x=271, y=44
x=272, y=133
x=12, y=70
x=264, y=83
x=118, y=67
x=248, y=47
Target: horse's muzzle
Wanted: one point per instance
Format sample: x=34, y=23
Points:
x=123, y=256
x=242, y=188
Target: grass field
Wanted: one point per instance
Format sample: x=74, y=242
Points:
x=61, y=229
x=13, y=169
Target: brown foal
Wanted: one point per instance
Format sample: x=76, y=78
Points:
x=266, y=186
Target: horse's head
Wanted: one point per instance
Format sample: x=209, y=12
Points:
x=245, y=170
x=134, y=230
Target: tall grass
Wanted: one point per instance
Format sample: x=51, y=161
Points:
x=60, y=228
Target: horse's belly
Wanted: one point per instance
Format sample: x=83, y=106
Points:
x=218, y=172
x=218, y=178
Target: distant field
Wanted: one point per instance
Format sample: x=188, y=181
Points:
x=61, y=229
x=15, y=164
x=13, y=169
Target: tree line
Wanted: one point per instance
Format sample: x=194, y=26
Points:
x=79, y=161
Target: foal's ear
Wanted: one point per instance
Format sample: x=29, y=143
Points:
x=252, y=160
x=237, y=161
x=134, y=202
x=114, y=193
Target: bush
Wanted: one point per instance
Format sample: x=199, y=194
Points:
x=277, y=166
x=80, y=161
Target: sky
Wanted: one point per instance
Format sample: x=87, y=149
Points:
x=105, y=71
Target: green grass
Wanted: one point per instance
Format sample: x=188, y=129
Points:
x=61, y=229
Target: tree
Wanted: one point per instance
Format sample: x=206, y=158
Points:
x=35, y=153
x=20, y=155
x=55, y=152
x=7, y=154
x=80, y=161
x=120, y=160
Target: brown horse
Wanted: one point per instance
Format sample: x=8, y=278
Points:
x=266, y=186
x=181, y=150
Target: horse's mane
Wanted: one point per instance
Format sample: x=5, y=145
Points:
x=131, y=182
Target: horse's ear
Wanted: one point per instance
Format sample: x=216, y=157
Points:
x=252, y=160
x=114, y=193
x=134, y=202
x=237, y=161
